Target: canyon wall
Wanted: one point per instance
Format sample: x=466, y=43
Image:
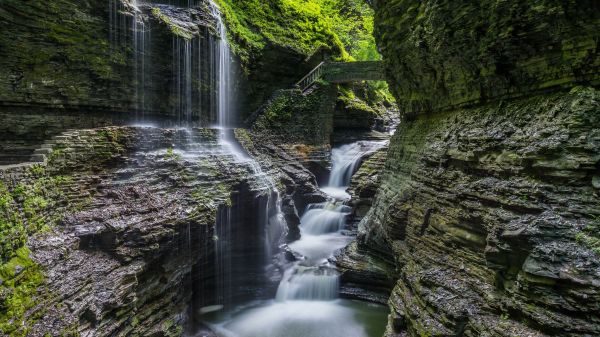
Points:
x=133, y=231
x=57, y=53
x=488, y=211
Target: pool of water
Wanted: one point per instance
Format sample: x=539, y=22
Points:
x=337, y=318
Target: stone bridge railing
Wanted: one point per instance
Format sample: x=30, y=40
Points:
x=343, y=72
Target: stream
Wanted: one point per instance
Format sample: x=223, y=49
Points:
x=307, y=302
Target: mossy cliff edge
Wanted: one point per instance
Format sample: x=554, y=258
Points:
x=57, y=53
x=489, y=201
x=447, y=54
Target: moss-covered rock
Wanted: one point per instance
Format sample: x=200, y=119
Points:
x=298, y=117
x=488, y=213
x=447, y=54
x=57, y=53
x=487, y=202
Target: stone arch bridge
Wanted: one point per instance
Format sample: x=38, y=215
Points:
x=343, y=72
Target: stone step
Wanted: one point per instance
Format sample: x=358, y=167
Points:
x=9, y=159
x=44, y=151
x=37, y=158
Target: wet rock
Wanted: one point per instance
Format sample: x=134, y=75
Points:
x=476, y=226
x=494, y=52
x=488, y=188
x=363, y=276
x=137, y=228
x=596, y=182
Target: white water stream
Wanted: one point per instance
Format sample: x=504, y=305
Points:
x=307, y=302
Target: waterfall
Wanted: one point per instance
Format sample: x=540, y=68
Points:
x=309, y=283
x=324, y=218
x=320, y=229
x=182, y=81
x=198, y=93
x=307, y=301
x=345, y=162
x=141, y=53
x=224, y=118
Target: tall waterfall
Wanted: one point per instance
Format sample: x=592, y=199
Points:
x=199, y=62
x=141, y=52
x=224, y=91
x=195, y=86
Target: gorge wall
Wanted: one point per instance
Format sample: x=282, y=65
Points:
x=130, y=231
x=488, y=212
x=57, y=53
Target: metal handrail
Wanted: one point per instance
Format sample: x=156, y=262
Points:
x=331, y=72
x=312, y=76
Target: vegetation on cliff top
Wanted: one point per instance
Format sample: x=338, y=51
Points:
x=343, y=26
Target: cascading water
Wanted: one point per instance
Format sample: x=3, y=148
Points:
x=307, y=301
x=191, y=94
x=346, y=160
x=224, y=92
x=141, y=52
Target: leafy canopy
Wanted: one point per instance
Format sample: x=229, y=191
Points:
x=343, y=26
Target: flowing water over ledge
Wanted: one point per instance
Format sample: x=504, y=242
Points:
x=307, y=302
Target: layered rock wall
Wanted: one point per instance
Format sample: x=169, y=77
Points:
x=489, y=212
x=58, y=53
x=445, y=54
x=117, y=233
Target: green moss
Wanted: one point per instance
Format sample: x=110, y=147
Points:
x=175, y=29
x=75, y=37
x=280, y=108
x=172, y=155
x=208, y=197
x=22, y=278
x=37, y=170
x=12, y=228
x=344, y=27
x=590, y=236
x=26, y=210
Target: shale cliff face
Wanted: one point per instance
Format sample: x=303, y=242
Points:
x=446, y=54
x=124, y=231
x=57, y=53
x=488, y=210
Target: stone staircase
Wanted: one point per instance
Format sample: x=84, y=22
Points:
x=27, y=154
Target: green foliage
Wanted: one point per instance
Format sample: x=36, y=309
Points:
x=172, y=155
x=380, y=92
x=12, y=228
x=352, y=21
x=590, y=236
x=291, y=103
x=25, y=211
x=280, y=108
x=342, y=26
